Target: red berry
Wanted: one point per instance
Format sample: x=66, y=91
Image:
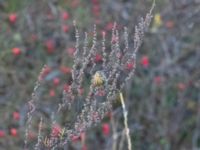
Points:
x=75, y=138
x=65, y=15
x=129, y=66
x=145, y=61
x=66, y=87
x=84, y=147
x=56, y=81
x=71, y=51
x=16, y=51
x=50, y=45
x=65, y=28
x=106, y=129
x=109, y=26
x=65, y=70
x=16, y=116
x=13, y=18
x=103, y=33
x=2, y=134
x=98, y=58
x=47, y=70
x=52, y=93
x=13, y=132
x=56, y=130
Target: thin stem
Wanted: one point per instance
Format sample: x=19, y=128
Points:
x=125, y=114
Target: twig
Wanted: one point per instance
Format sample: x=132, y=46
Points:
x=125, y=114
x=115, y=136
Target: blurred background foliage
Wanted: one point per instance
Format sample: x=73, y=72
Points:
x=163, y=99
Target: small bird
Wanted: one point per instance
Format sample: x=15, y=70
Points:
x=98, y=79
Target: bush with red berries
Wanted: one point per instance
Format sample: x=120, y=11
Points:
x=162, y=98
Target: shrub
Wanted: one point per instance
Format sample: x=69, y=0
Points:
x=105, y=69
